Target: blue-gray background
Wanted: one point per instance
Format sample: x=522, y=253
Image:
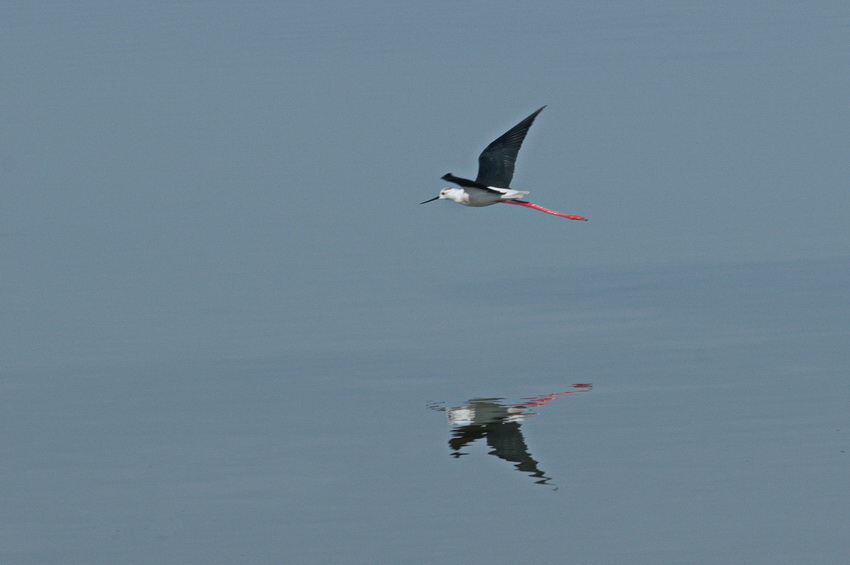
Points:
x=224, y=314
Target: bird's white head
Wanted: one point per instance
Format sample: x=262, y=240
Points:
x=448, y=193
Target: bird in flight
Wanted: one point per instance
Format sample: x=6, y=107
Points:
x=495, y=172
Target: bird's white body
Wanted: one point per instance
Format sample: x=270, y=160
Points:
x=471, y=196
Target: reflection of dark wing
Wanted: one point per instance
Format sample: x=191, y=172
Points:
x=463, y=436
x=496, y=162
x=508, y=444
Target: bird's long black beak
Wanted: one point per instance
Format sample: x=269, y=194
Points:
x=431, y=200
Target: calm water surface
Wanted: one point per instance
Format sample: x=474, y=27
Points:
x=230, y=335
x=685, y=414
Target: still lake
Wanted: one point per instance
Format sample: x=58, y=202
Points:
x=686, y=414
x=230, y=334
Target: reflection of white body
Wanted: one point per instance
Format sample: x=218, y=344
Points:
x=480, y=414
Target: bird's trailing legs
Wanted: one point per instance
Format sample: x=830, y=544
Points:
x=542, y=209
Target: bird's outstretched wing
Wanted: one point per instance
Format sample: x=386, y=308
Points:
x=496, y=162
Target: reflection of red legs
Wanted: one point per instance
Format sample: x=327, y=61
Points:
x=544, y=399
x=542, y=209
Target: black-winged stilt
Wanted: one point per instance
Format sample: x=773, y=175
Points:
x=495, y=172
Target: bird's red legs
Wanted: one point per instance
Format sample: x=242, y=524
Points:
x=542, y=209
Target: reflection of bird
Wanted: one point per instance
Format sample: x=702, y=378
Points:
x=499, y=424
x=495, y=172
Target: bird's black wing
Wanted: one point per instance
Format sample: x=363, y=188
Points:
x=496, y=162
x=466, y=183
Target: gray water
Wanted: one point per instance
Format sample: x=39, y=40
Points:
x=231, y=335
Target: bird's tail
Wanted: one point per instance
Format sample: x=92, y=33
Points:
x=511, y=194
